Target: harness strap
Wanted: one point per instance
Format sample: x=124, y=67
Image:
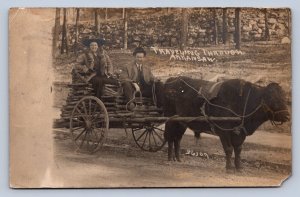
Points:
x=212, y=127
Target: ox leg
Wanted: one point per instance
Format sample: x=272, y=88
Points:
x=237, y=157
x=170, y=150
x=170, y=131
x=177, y=149
x=237, y=141
x=180, y=129
x=228, y=149
x=173, y=134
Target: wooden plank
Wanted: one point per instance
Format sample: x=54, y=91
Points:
x=131, y=120
x=183, y=119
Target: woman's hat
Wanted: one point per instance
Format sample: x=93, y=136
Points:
x=87, y=42
x=139, y=50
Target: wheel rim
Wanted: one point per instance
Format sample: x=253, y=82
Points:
x=89, y=124
x=149, y=138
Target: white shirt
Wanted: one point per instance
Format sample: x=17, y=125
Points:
x=139, y=66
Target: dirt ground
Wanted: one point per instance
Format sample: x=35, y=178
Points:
x=120, y=163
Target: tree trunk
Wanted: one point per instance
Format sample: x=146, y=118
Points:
x=97, y=22
x=64, y=40
x=267, y=32
x=225, y=27
x=106, y=14
x=76, y=30
x=123, y=13
x=184, y=28
x=238, y=28
x=215, y=33
x=125, y=28
x=56, y=33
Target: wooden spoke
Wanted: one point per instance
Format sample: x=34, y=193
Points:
x=80, y=134
x=83, y=116
x=90, y=106
x=95, y=133
x=158, y=135
x=136, y=129
x=159, y=129
x=76, y=119
x=83, y=140
x=141, y=135
x=145, y=139
x=76, y=129
x=84, y=108
x=90, y=115
x=152, y=141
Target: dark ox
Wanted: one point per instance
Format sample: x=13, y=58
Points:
x=235, y=98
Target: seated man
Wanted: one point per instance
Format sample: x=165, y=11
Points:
x=138, y=74
x=97, y=64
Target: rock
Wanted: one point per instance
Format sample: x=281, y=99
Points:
x=257, y=36
x=246, y=28
x=273, y=32
x=231, y=29
x=273, y=15
x=246, y=36
x=261, y=21
x=255, y=27
x=285, y=40
x=281, y=32
x=252, y=22
x=191, y=41
x=261, y=25
x=253, y=32
x=87, y=31
x=272, y=20
x=136, y=38
x=282, y=15
x=272, y=26
x=202, y=30
x=259, y=30
x=260, y=15
x=280, y=26
x=173, y=41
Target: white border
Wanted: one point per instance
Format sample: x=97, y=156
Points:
x=289, y=187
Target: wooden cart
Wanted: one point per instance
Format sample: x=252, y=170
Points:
x=89, y=118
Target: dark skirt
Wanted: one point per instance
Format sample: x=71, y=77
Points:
x=98, y=83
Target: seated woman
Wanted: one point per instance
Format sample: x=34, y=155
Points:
x=97, y=64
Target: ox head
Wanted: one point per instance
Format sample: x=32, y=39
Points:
x=173, y=87
x=179, y=87
x=275, y=103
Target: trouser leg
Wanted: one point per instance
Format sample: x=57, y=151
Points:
x=128, y=90
x=97, y=85
x=147, y=90
x=110, y=81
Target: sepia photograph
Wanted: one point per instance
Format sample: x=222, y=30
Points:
x=150, y=97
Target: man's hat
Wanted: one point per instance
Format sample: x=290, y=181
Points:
x=87, y=42
x=139, y=50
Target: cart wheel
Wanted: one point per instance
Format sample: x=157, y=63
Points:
x=149, y=138
x=89, y=124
